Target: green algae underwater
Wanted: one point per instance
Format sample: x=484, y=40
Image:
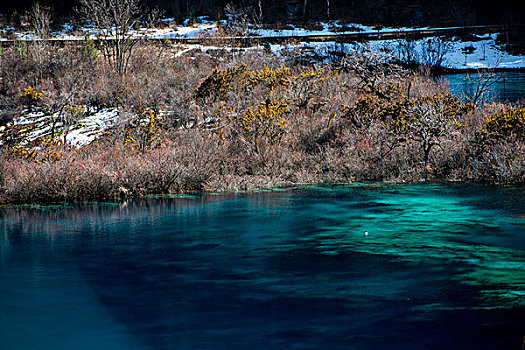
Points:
x=441, y=266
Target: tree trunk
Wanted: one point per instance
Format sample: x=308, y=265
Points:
x=305, y=4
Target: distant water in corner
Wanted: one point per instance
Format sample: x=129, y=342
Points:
x=442, y=267
x=501, y=87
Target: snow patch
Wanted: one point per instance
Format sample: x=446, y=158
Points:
x=85, y=130
x=91, y=127
x=486, y=53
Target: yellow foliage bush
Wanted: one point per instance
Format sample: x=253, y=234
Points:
x=265, y=122
x=31, y=94
x=272, y=77
x=281, y=77
x=31, y=97
x=40, y=151
x=74, y=110
x=507, y=121
x=219, y=83
x=398, y=114
x=145, y=133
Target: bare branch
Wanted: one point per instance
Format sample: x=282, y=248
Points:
x=114, y=20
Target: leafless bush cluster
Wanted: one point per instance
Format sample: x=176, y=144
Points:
x=245, y=121
x=40, y=20
x=114, y=20
x=107, y=171
x=432, y=52
x=240, y=18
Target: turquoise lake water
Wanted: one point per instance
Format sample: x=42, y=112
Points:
x=442, y=267
x=502, y=86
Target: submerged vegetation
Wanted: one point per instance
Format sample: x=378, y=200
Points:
x=229, y=119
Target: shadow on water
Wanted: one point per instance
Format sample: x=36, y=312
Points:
x=288, y=269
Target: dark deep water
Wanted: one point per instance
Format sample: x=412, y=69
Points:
x=443, y=267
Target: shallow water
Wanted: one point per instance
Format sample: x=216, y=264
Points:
x=443, y=267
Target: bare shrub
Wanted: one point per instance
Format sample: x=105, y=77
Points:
x=434, y=50
x=243, y=122
x=431, y=120
x=114, y=20
x=374, y=70
x=483, y=82
x=406, y=51
x=241, y=18
x=506, y=160
x=108, y=172
x=3, y=171
x=40, y=20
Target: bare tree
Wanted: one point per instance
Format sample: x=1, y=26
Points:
x=483, y=82
x=305, y=5
x=406, y=51
x=39, y=19
x=242, y=18
x=434, y=51
x=430, y=120
x=114, y=20
x=372, y=69
x=260, y=11
x=238, y=22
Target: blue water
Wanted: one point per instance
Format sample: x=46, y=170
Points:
x=501, y=86
x=443, y=267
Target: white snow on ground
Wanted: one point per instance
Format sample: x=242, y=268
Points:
x=329, y=28
x=486, y=53
x=201, y=28
x=85, y=131
x=150, y=33
x=91, y=127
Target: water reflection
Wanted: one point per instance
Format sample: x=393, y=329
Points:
x=4, y=242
